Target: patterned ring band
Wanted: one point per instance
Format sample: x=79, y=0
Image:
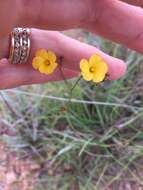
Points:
x=19, y=45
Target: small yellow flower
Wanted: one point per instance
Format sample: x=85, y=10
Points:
x=94, y=69
x=45, y=61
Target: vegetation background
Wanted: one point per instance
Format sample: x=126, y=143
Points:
x=92, y=143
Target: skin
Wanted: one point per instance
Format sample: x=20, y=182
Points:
x=112, y=19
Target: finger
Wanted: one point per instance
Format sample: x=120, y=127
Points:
x=8, y=16
x=16, y=75
x=71, y=51
x=117, y=21
x=51, y=14
x=8, y=19
x=112, y=19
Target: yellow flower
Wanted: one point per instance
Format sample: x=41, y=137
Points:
x=45, y=61
x=94, y=69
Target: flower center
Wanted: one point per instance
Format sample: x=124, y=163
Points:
x=92, y=69
x=47, y=62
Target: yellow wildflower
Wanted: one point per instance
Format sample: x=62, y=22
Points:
x=45, y=61
x=94, y=69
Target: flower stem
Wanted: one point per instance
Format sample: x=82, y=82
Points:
x=64, y=79
x=61, y=59
x=71, y=91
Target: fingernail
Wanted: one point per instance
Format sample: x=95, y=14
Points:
x=118, y=70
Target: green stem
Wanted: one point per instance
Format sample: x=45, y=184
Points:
x=65, y=80
x=71, y=91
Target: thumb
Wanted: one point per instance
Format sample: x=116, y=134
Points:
x=8, y=18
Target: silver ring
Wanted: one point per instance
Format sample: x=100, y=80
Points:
x=19, y=45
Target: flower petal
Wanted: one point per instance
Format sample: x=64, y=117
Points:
x=84, y=66
x=103, y=66
x=48, y=69
x=42, y=53
x=42, y=69
x=94, y=59
x=100, y=67
x=52, y=68
x=52, y=56
x=36, y=62
x=87, y=76
x=98, y=77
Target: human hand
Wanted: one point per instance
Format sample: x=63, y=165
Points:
x=112, y=19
